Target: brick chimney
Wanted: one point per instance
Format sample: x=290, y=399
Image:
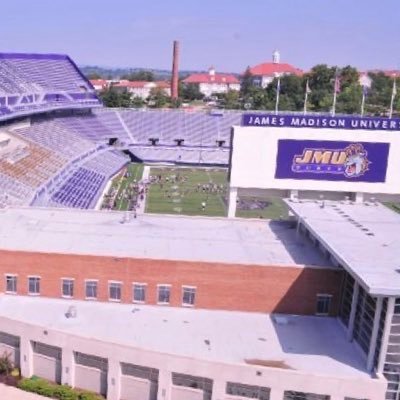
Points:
x=175, y=71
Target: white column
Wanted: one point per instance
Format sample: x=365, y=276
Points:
x=26, y=355
x=164, y=385
x=276, y=394
x=113, y=380
x=385, y=334
x=374, y=334
x=294, y=194
x=352, y=316
x=232, y=202
x=68, y=367
x=359, y=197
x=218, y=390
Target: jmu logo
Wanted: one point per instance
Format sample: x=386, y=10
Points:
x=351, y=161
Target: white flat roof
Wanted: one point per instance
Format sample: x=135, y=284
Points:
x=101, y=233
x=364, y=238
x=308, y=344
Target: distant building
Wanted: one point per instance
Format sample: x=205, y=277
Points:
x=99, y=84
x=265, y=73
x=142, y=89
x=364, y=79
x=213, y=83
x=390, y=73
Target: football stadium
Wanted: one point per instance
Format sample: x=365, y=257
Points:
x=128, y=269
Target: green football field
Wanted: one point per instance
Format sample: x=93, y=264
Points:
x=183, y=190
x=185, y=197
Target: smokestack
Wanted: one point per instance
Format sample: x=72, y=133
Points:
x=175, y=71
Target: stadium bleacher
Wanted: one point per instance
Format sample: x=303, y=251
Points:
x=32, y=83
x=72, y=146
x=194, y=128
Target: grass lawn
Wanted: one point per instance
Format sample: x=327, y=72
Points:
x=183, y=195
x=268, y=208
x=393, y=206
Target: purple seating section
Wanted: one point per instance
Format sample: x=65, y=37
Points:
x=32, y=83
x=53, y=135
x=183, y=155
x=195, y=128
x=80, y=189
x=84, y=187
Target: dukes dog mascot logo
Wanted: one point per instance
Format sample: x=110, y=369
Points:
x=350, y=161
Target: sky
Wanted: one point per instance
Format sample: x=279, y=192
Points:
x=229, y=35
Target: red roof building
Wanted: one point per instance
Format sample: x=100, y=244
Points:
x=142, y=89
x=213, y=83
x=99, y=84
x=264, y=73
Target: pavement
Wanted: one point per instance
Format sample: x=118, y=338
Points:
x=12, y=393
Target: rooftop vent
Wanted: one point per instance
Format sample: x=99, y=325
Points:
x=71, y=312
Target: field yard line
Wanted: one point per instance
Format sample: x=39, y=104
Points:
x=219, y=196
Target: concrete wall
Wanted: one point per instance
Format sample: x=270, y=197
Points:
x=275, y=378
x=290, y=290
x=255, y=151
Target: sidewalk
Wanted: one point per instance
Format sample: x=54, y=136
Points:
x=142, y=204
x=12, y=393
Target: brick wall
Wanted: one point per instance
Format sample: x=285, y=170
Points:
x=219, y=286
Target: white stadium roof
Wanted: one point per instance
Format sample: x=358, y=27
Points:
x=302, y=343
x=161, y=237
x=363, y=237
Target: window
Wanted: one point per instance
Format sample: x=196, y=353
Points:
x=139, y=292
x=252, y=392
x=164, y=292
x=323, y=304
x=67, y=287
x=188, y=295
x=11, y=284
x=91, y=289
x=194, y=382
x=114, y=291
x=292, y=395
x=34, y=285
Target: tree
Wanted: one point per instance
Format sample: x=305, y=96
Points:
x=137, y=102
x=379, y=96
x=246, y=84
x=142, y=75
x=190, y=92
x=157, y=98
x=114, y=98
x=93, y=76
x=321, y=81
x=349, y=76
x=110, y=98
x=230, y=100
x=349, y=100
